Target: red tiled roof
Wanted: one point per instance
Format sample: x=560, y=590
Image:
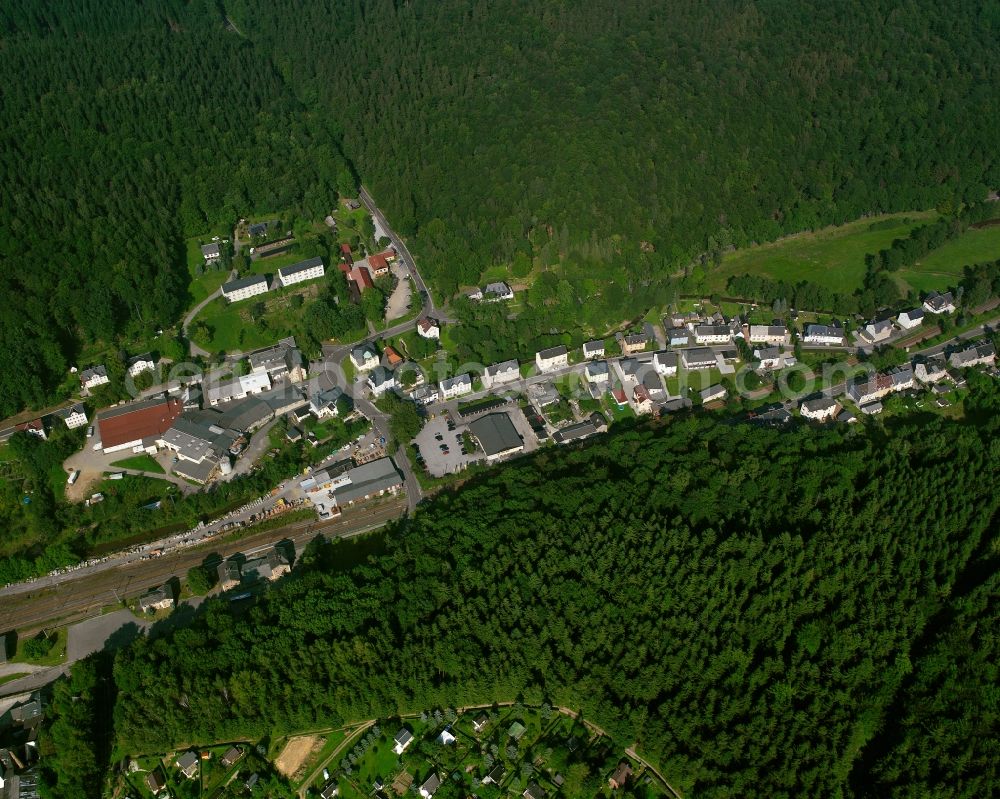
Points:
x=146, y=419
x=345, y=249
x=619, y=395
x=378, y=263
x=393, y=356
x=344, y=267
x=641, y=393
x=361, y=276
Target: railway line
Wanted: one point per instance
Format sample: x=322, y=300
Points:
x=78, y=597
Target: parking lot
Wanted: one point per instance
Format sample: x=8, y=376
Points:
x=436, y=435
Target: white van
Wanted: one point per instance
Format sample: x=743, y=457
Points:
x=72, y=476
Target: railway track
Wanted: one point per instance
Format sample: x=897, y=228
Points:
x=79, y=597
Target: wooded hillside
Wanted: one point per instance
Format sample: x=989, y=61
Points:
x=767, y=614
x=543, y=144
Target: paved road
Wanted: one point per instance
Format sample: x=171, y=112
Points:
x=195, y=349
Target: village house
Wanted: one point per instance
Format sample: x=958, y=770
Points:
x=232, y=755
x=402, y=740
x=156, y=781
x=393, y=358
x=819, y=410
x=977, y=354
x=139, y=364
x=270, y=566
x=593, y=349
x=769, y=334
x=36, y=427
x=495, y=775
x=93, y=377
x=596, y=372
x=360, y=278
x=712, y=334
x=323, y=404
x=641, y=400
x=620, y=776
x=244, y=288
x=188, y=764
x=871, y=408
x=588, y=427
x=769, y=358
x=665, y=363
x=713, y=394
x=446, y=738
x=500, y=373
x=479, y=723
x=381, y=380
x=430, y=786
x=75, y=416
x=496, y=292
x=902, y=378
x=378, y=263
x=931, y=370
x=211, y=252
x=229, y=574
x=678, y=337
x=875, y=332
x=428, y=328
x=280, y=361
x=455, y=386
x=824, y=334
x=939, y=303
x=425, y=395
x=634, y=343
x=161, y=598
x=873, y=389
x=552, y=358
x=620, y=397
x=533, y=791
x=910, y=319
x=302, y=271
x=364, y=357
x=699, y=358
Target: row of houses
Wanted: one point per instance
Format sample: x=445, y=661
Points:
x=254, y=285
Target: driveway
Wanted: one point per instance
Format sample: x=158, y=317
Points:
x=399, y=301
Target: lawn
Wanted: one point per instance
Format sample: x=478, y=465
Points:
x=944, y=265
x=233, y=328
x=140, y=463
x=833, y=257
x=204, y=284
x=55, y=656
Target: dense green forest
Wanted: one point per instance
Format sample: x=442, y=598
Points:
x=126, y=128
x=767, y=613
x=589, y=150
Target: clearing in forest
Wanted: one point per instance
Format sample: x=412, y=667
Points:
x=296, y=752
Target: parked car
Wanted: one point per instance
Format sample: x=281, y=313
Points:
x=90, y=432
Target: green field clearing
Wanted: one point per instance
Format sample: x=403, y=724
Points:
x=833, y=257
x=140, y=463
x=202, y=285
x=944, y=266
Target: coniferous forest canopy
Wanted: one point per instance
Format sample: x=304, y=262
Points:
x=552, y=138
x=764, y=613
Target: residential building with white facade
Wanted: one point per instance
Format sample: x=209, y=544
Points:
x=593, y=349
x=820, y=410
x=364, y=357
x=455, y=386
x=301, y=272
x=910, y=319
x=552, y=358
x=500, y=373
x=140, y=364
x=823, y=334
x=712, y=334
x=75, y=416
x=239, y=388
x=244, y=288
x=665, y=363
x=769, y=334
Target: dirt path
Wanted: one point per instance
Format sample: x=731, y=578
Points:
x=348, y=738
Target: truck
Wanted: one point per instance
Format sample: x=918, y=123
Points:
x=72, y=476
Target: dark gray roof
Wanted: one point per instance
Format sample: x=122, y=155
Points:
x=698, y=355
x=574, y=431
x=242, y=283
x=301, y=266
x=496, y=433
x=594, y=346
x=367, y=479
x=552, y=352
